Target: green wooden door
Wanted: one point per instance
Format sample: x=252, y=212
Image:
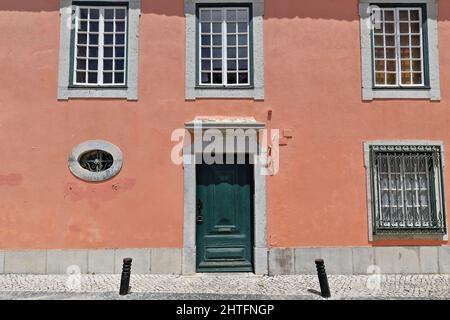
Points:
x=224, y=218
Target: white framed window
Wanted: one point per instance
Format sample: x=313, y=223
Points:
x=100, y=54
x=99, y=49
x=224, y=49
x=224, y=46
x=398, y=47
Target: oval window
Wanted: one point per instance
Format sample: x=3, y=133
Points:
x=95, y=160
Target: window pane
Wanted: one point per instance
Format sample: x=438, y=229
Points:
x=231, y=27
x=120, y=52
x=391, y=78
x=109, y=26
x=206, y=40
x=82, y=39
x=107, y=64
x=93, y=52
x=217, y=78
x=120, y=39
x=120, y=26
x=217, y=40
x=81, y=64
x=81, y=77
x=120, y=64
x=217, y=53
x=206, y=28
x=243, y=52
x=379, y=78
x=232, y=66
x=242, y=27
x=93, y=65
x=216, y=15
x=243, y=78
x=206, y=77
x=206, y=53
x=243, y=40
x=107, y=77
x=205, y=15
x=231, y=40
x=231, y=52
x=82, y=26
x=120, y=14
x=81, y=51
x=83, y=13
x=108, y=52
x=92, y=77
x=93, y=26
x=94, y=14
x=206, y=65
x=232, y=78
x=93, y=39
x=231, y=15
x=417, y=78
x=217, y=65
x=109, y=13
x=119, y=77
x=243, y=64
x=217, y=28
x=109, y=39
x=242, y=15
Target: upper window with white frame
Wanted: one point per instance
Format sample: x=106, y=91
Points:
x=224, y=49
x=398, y=47
x=100, y=53
x=224, y=46
x=99, y=42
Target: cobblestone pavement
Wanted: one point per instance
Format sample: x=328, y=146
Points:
x=224, y=287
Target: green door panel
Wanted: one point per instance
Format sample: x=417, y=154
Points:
x=224, y=218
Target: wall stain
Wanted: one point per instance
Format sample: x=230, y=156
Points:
x=96, y=193
x=11, y=180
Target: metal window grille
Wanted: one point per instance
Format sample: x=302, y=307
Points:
x=224, y=56
x=100, y=46
x=407, y=190
x=398, y=51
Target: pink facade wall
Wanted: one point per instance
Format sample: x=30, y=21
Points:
x=312, y=84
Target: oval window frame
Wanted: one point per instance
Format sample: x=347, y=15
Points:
x=78, y=171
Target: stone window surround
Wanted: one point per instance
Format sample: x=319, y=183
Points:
x=368, y=166
x=86, y=175
x=368, y=91
x=130, y=91
x=260, y=250
x=192, y=91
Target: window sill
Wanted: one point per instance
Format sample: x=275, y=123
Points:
x=410, y=236
x=417, y=93
x=201, y=92
x=96, y=92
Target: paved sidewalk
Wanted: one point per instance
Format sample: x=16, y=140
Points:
x=227, y=287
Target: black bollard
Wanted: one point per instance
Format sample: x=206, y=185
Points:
x=323, y=280
x=125, y=279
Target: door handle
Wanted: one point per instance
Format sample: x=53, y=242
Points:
x=199, y=211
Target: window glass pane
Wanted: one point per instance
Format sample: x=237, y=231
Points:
x=81, y=51
x=93, y=65
x=108, y=52
x=82, y=39
x=119, y=77
x=231, y=27
x=107, y=77
x=120, y=52
x=107, y=64
x=242, y=27
x=81, y=64
x=231, y=65
x=109, y=39
x=206, y=53
x=205, y=15
x=243, y=64
x=243, y=40
x=217, y=53
x=206, y=77
x=216, y=15
x=231, y=40
x=93, y=26
x=93, y=39
x=231, y=15
x=206, y=40
x=217, y=65
x=109, y=26
x=232, y=78
x=243, y=78
x=120, y=26
x=217, y=40
x=120, y=14
x=82, y=26
x=84, y=13
x=120, y=64
x=120, y=39
x=242, y=15
x=217, y=78
x=391, y=78
x=92, y=77
x=109, y=13
x=206, y=28
x=81, y=77
x=231, y=52
x=94, y=14
x=243, y=52
x=93, y=51
x=206, y=65
x=217, y=28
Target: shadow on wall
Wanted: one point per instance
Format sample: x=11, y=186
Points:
x=275, y=9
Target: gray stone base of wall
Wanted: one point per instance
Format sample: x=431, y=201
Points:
x=282, y=261
x=361, y=260
x=102, y=261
